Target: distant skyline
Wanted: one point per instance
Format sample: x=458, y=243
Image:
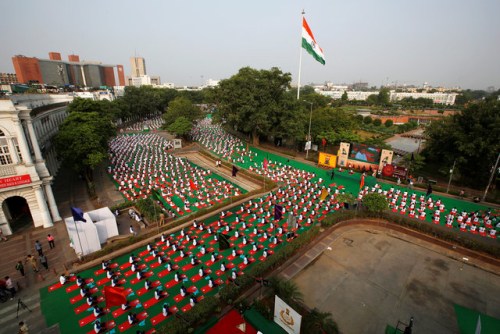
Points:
x=445, y=43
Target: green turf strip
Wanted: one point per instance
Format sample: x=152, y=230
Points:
x=468, y=321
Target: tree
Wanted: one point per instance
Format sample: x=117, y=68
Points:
x=468, y=95
x=372, y=99
x=181, y=107
x=367, y=120
x=471, y=137
x=415, y=164
x=317, y=322
x=383, y=97
x=286, y=290
x=375, y=202
x=180, y=127
x=82, y=141
x=142, y=101
x=344, y=98
x=377, y=122
x=255, y=101
x=358, y=119
x=389, y=123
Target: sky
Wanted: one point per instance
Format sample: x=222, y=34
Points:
x=442, y=42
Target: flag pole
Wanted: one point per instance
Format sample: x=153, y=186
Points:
x=78, y=234
x=300, y=57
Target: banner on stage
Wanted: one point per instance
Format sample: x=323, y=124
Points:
x=327, y=160
x=395, y=171
x=286, y=317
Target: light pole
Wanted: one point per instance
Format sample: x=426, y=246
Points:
x=308, y=143
x=493, y=172
x=451, y=176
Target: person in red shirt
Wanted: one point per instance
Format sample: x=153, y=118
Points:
x=50, y=239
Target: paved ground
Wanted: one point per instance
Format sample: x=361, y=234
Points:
x=384, y=276
x=69, y=191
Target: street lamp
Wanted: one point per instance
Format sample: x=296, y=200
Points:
x=493, y=172
x=308, y=143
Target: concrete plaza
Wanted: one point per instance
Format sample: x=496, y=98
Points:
x=369, y=277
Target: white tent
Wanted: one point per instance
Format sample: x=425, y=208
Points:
x=105, y=222
x=87, y=237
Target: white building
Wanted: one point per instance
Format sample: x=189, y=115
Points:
x=96, y=95
x=143, y=80
x=27, y=125
x=441, y=98
x=351, y=95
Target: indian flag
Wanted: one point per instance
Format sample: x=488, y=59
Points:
x=309, y=43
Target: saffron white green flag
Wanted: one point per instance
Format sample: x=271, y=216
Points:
x=309, y=43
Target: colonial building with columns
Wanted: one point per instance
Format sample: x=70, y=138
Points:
x=27, y=159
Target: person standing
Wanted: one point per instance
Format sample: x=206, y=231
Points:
x=23, y=328
x=132, y=231
x=333, y=174
x=38, y=247
x=43, y=261
x=20, y=267
x=32, y=260
x=10, y=286
x=50, y=239
x=429, y=191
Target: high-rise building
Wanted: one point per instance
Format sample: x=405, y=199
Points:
x=121, y=75
x=54, y=71
x=138, y=65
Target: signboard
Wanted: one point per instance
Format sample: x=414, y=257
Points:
x=400, y=172
x=327, y=160
x=15, y=181
x=177, y=143
x=286, y=317
x=394, y=171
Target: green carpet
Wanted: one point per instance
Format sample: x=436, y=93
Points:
x=260, y=323
x=470, y=320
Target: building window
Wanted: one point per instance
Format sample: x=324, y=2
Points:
x=18, y=150
x=5, y=158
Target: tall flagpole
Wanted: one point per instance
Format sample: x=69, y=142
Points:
x=300, y=57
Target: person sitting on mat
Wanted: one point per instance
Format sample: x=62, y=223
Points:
x=132, y=318
x=97, y=326
x=165, y=309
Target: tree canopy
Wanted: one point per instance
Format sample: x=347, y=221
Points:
x=106, y=108
x=82, y=140
x=471, y=137
x=255, y=102
x=180, y=127
x=181, y=107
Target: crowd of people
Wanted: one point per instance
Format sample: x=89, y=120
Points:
x=153, y=123
x=484, y=222
x=142, y=167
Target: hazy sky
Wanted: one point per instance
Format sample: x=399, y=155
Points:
x=442, y=42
